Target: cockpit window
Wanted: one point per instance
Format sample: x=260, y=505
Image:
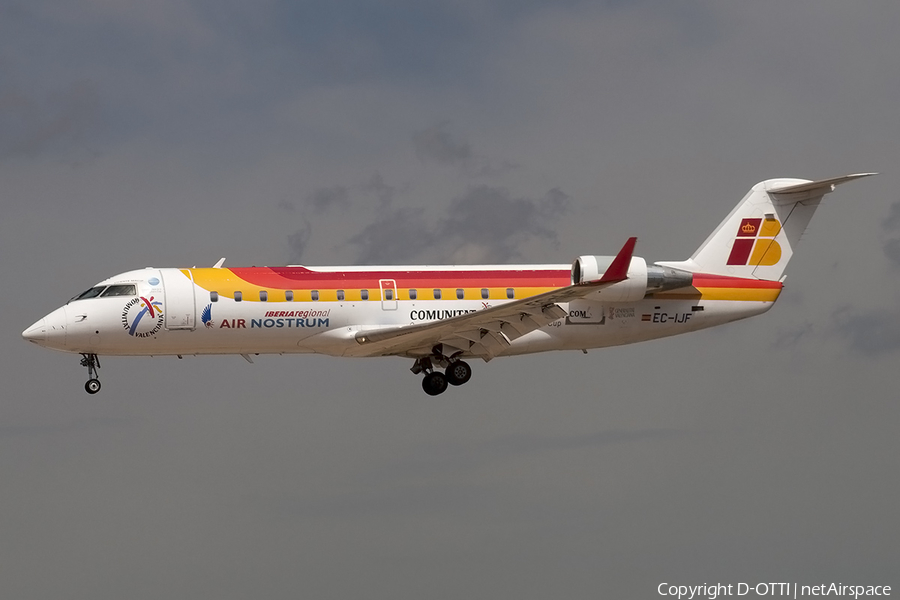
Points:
x=119, y=290
x=91, y=293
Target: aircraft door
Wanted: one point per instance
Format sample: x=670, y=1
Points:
x=388, y=294
x=180, y=307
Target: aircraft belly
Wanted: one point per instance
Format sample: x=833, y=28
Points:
x=626, y=324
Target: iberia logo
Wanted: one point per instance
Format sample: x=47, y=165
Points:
x=755, y=243
x=142, y=317
x=206, y=316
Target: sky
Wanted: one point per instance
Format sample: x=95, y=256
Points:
x=173, y=133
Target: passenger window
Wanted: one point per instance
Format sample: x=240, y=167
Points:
x=263, y=296
x=388, y=294
x=437, y=294
x=340, y=295
x=288, y=295
x=485, y=294
x=412, y=294
x=460, y=294
x=214, y=296
x=238, y=296
x=119, y=290
x=364, y=294
x=315, y=295
x=510, y=293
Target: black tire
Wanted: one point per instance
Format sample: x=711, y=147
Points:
x=458, y=373
x=434, y=383
x=92, y=386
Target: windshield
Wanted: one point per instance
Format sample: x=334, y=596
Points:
x=104, y=291
x=118, y=290
x=91, y=293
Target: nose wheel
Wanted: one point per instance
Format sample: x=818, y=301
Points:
x=92, y=362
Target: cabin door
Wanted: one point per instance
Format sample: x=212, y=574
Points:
x=179, y=308
x=388, y=294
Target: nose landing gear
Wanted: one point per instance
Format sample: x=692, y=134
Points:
x=92, y=362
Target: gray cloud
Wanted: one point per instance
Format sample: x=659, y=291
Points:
x=298, y=241
x=416, y=483
x=436, y=144
x=326, y=198
x=491, y=218
x=400, y=235
x=892, y=251
x=29, y=126
x=869, y=333
x=891, y=223
x=384, y=192
x=793, y=336
x=486, y=224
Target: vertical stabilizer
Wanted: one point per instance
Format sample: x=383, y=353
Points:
x=760, y=235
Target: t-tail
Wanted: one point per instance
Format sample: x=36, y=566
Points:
x=758, y=238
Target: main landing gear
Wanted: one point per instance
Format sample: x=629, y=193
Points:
x=92, y=362
x=456, y=372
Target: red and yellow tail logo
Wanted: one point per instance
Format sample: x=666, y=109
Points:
x=755, y=243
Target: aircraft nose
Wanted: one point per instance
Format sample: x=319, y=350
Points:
x=49, y=331
x=37, y=333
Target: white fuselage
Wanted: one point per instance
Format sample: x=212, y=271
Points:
x=187, y=318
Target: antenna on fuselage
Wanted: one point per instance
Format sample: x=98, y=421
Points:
x=219, y=264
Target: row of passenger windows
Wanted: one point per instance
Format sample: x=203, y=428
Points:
x=363, y=294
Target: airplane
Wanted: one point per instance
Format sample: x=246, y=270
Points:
x=439, y=316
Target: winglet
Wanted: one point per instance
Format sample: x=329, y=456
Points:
x=618, y=269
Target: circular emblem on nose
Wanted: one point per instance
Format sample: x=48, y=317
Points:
x=153, y=281
x=142, y=317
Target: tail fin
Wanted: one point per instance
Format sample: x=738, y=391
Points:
x=758, y=238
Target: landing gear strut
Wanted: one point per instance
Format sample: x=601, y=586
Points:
x=92, y=362
x=456, y=372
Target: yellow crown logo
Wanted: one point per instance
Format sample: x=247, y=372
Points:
x=748, y=228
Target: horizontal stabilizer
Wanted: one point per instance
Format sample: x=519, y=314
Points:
x=824, y=185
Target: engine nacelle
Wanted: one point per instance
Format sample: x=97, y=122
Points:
x=591, y=268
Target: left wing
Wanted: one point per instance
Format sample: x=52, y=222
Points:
x=487, y=333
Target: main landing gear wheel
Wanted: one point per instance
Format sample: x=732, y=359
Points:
x=92, y=362
x=458, y=372
x=434, y=383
